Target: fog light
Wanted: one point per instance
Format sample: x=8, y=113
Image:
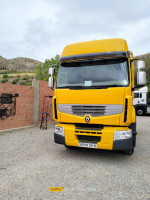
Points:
x=121, y=135
x=59, y=130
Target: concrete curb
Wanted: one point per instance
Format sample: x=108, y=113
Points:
x=15, y=129
x=25, y=127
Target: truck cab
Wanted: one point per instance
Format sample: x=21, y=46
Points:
x=93, y=97
x=141, y=101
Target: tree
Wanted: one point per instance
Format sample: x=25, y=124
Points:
x=148, y=82
x=41, y=71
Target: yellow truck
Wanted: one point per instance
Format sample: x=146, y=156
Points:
x=93, y=97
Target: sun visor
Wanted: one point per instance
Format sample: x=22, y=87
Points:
x=91, y=56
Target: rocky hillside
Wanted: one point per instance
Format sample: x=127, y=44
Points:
x=146, y=58
x=18, y=64
x=27, y=64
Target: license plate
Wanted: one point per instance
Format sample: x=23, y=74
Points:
x=88, y=144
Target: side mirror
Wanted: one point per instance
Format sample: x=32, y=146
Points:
x=141, y=76
x=140, y=64
x=51, y=71
x=51, y=79
x=51, y=82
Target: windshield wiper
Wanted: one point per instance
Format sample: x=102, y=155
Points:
x=83, y=87
x=115, y=85
x=71, y=87
x=90, y=87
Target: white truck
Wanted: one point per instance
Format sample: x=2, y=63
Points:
x=141, y=101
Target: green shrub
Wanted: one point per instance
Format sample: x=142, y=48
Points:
x=12, y=71
x=29, y=83
x=26, y=83
x=24, y=78
x=22, y=83
x=17, y=79
x=148, y=82
x=5, y=76
x=14, y=81
x=4, y=80
x=5, y=72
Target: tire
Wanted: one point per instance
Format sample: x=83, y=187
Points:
x=134, y=140
x=70, y=147
x=140, y=111
x=129, y=152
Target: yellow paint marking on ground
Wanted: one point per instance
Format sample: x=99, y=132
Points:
x=55, y=189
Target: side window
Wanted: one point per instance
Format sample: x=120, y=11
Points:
x=140, y=95
x=136, y=95
x=63, y=78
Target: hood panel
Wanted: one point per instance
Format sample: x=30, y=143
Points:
x=110, y=96
x=93, y=96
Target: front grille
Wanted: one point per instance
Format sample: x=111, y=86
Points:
x=88, y=132
x=94, y=110
x=88, y=138
x=89, y=126
x=88, y=129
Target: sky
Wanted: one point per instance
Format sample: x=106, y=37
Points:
x=40, y=29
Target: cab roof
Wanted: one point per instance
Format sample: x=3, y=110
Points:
x=95, y=46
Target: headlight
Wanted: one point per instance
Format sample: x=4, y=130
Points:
x=121, y=135
x=59, y=130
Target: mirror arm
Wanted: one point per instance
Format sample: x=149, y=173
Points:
x=53, y=87
x=132, y=60
x=137, y=87
x=133, y=88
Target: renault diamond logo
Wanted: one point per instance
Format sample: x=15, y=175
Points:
x=87, y=119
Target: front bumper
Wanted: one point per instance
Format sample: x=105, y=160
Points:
x=126, y=144
x=106, y=135
x=59, y=139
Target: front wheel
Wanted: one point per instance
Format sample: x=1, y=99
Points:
x=129, y=152
x=70, y=147
x=140, y=111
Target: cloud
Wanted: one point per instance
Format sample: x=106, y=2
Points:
x=40, y=31
x=43, y=27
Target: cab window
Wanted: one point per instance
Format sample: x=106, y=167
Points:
x=136, y=95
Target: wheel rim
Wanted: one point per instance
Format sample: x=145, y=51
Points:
x=140, y=112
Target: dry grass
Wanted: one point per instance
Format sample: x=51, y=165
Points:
x=21, y=74
x=25, y=77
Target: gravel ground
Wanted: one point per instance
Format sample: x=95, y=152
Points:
x=30, y=163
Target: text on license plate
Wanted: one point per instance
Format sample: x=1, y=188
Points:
x=87, y=144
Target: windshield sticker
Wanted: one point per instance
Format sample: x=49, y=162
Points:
x=87, y=83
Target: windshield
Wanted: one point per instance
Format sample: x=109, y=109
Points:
x=93, y=74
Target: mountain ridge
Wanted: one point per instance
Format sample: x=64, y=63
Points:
x=19, y=64
x=29, y=64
